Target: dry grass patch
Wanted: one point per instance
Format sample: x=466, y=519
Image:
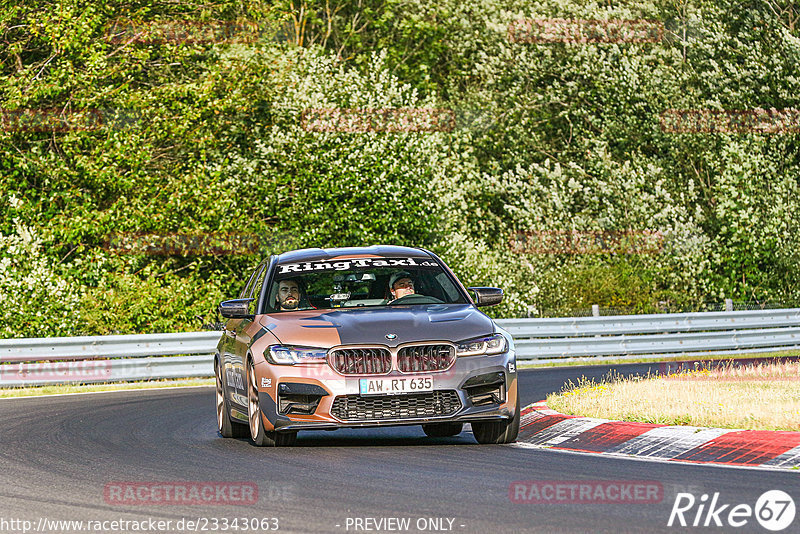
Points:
x=763, y=397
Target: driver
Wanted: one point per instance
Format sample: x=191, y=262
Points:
x=401, y=284
x=288, y=297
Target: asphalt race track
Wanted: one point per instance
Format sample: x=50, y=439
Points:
x=59, y=454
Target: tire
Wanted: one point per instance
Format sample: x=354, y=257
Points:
x=497, y=432
x=442, y=430
x=227, y=428
x=260, y=436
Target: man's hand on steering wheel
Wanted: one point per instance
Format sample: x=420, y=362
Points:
x=416, y=298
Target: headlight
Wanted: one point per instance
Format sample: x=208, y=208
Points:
x=494, y=344
x=290, y=355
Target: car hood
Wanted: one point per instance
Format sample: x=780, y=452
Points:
x=328, y=328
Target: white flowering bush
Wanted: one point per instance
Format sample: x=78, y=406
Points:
x=36, y=299
x=577, y=144
x=338, y=188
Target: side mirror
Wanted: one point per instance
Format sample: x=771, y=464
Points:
x=236, y=309
x=487, y=296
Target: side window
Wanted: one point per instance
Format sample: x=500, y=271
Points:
x=258, y=283
x=255, y=283
x=247, y=291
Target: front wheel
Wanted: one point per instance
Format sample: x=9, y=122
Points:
x=260, y=436
x=497, y=432
x=225, y=425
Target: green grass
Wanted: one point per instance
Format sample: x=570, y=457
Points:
x=36, y=391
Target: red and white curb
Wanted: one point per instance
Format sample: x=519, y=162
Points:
x=542, y=427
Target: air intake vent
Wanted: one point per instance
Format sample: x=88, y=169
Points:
x=413, y=406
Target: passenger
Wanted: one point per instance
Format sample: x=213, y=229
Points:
x=401, y=284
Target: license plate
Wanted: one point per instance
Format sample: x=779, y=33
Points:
x=388, y=386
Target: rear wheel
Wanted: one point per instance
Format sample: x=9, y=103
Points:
x=227, y=427
x=260, y=436
x=496, y=432
x=442, y=430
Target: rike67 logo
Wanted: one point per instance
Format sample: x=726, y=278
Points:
x=774, y=510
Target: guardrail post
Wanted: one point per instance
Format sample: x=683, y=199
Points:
x=728, y=305
x=595, y=310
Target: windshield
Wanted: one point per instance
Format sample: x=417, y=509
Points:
x=359, y=283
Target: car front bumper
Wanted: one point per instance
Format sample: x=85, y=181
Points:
x=485, y=388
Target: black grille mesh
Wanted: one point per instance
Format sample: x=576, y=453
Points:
x=425, y=358
x=367, y=361
x=415, y=405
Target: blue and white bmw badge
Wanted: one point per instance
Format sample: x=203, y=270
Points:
x=391, y=336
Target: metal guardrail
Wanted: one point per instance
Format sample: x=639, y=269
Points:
x=650, y=324
x=120, y=358
x=91, y=347
x=736, y=341
x=631, y=336
x=121, y=370
x=86, y=359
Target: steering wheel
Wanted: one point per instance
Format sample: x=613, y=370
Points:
x=416, y=298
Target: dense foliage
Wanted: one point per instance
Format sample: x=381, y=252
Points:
x=204, y=135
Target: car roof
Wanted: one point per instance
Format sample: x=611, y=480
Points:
x=307, y=254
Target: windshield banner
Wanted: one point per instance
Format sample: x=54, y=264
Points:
x=353, y=263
